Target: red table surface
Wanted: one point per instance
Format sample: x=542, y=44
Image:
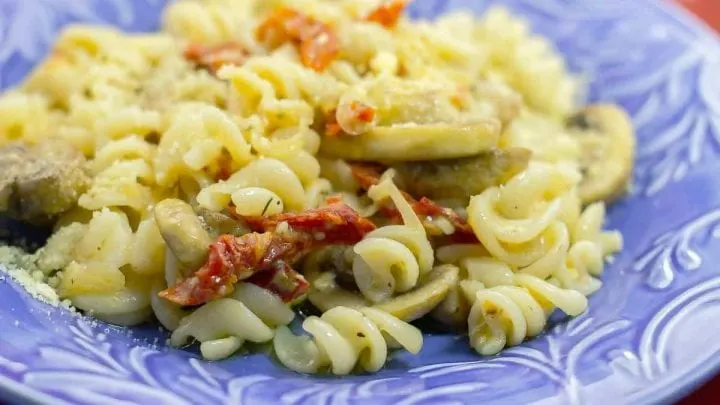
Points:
x=708, y=10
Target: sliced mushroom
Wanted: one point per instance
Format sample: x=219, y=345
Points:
x=326, y=294
x=607, y=141
x=183, y=232
x=40, y=182
x=416, y=303
x=220, y=223
x=464, y=177
x=453, y=310
x=402, y=143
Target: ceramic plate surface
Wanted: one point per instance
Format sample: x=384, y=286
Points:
x=649, y=336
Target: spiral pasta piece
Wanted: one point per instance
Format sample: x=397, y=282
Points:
x=221, y=326
x=199, y=139
x=128, y=306
x=263, y=187
x=583, y=263
x=294, y=147
x=280, y=91
x=130, y=148
x=343, y=338
x=589, y=228
x=97, y=256
x=167, y=313
x=101, y=43
x=390, y=260
x=23, y=116
x=129, y=122
x=209, y=21
x=146, y=253
x=95, y=276
x=528, y=62
x=510, y=221
x=120, y=185
x=505, y=315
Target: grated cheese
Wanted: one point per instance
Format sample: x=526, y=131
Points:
x=22, y=268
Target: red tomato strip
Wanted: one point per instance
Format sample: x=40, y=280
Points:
x=317, y=42
x=234, y=259
x=388, y=13
x=332, y=127
x=334, y=224
x=368, y=175
x=214, y=57
x=361, y=111
x=282, y=280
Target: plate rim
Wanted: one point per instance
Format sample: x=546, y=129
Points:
x=689, y=382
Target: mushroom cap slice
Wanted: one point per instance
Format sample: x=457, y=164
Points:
x=40, y=182
x=401, y=143
x=407, y=307
x=183, y=232
x=462, y=178
x=417, y=303
x=453, y=311
x=326, y=294
x=606, y=136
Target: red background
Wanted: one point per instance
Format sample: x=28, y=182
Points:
x=709, y=10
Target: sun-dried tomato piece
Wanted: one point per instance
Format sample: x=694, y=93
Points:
x=388, y=13
x=232, y=259
x=318, y=52
x=282, y=280
x=368, y=175
x=332, y=127
x=316, y=41
x=361, y=113
x=335, y=223
x=213, y=57
x=463, y=231
x=223, y=168
x=248, y=257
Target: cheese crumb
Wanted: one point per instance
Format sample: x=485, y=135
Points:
x=22, y=268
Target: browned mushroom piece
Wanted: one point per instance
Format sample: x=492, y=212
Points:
x=431, y=292
x=453, y=311
x=459, y=179
x=326, y=291
x=220, y=223
x=183, y=231
x=39, y=182
x=607, y=142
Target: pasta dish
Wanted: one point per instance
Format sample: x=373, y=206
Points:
x=256, y=156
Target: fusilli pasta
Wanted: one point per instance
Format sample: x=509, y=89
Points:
x=344, y=337
x=222, y=326
x=505, y=315
x=255, y=153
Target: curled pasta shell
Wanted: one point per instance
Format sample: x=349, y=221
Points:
x=383, y=266
x=420, y=301
x=343, y=338
x=505, y=315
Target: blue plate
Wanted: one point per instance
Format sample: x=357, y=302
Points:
x=650, y=335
